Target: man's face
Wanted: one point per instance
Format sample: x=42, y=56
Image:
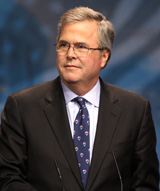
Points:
x=80, y=70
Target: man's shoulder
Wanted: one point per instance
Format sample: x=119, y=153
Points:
x=36, y=91
x=115, y=92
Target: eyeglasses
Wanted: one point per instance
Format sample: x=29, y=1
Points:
x=78, y=48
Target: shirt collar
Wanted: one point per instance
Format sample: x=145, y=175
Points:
x=92, y=96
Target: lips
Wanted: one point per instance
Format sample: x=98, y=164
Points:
x=70, y=66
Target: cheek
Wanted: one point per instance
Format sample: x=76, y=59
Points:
x=60, y=60
x=94, y=63
x=59, y=64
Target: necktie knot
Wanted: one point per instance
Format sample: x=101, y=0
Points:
x=81, y=101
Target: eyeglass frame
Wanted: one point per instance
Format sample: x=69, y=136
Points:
x=72, y=45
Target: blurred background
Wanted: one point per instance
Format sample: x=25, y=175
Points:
x=28, y=30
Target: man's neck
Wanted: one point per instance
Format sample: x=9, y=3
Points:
x=80, y=89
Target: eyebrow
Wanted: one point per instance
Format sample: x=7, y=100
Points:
x=63, y=41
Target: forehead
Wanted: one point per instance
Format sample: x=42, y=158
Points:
x=83, y=31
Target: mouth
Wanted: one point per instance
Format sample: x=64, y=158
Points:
x=70, y=66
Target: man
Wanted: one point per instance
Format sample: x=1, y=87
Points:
x=38, y=143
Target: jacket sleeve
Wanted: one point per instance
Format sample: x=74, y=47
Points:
x=13, y=150
x=145, y=175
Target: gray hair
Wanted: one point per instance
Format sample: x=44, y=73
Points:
x=105, y=28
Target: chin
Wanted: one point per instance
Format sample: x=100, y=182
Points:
x=69, y=79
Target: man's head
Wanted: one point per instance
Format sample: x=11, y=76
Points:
x=83, y=47
x=106, y=33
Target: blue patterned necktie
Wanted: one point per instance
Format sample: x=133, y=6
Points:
x=81, y=138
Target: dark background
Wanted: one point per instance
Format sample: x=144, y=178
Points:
x=28, y=29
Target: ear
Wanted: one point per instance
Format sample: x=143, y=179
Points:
x=104, y=57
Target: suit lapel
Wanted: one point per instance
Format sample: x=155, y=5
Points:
x=108, y=118
x=56, y=114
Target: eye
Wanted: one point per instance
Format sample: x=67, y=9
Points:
x=81, y=46
x=62, y=45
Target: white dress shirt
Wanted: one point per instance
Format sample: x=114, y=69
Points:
x=92, y=104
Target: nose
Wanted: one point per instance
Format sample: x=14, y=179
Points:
x=71, y=53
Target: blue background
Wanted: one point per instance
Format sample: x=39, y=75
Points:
x=28, y=29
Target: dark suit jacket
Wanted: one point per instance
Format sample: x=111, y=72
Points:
x=35, y=132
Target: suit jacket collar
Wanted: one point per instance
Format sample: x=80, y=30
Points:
x=109, y=115
x=55, y=111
